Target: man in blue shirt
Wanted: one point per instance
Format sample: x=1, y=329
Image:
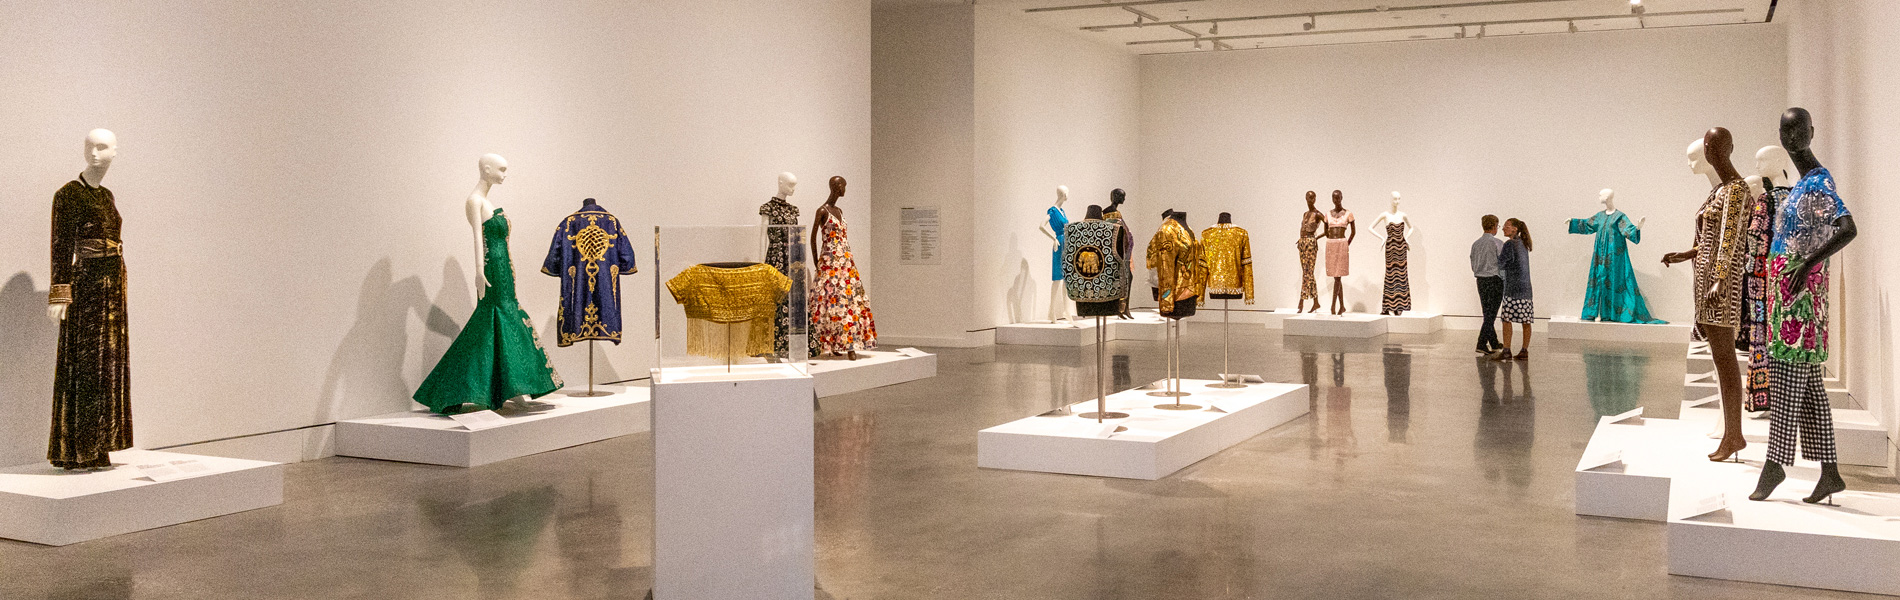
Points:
x=1484, y=266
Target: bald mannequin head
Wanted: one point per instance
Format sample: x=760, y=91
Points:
x=101, y=147
x=494, y=168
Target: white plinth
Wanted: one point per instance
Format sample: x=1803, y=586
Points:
x=1414, y=322
x=1663, y=468
x=1147, y=326
x=419, y=436
x=733, y=497
x=1080, y=332
x=1157, y=443
x=1349, y=325
x=1782, y=541
x=872, y=369
x=1858, y=437
x=45, y=505
x=1277, y=318
x=1572, y=328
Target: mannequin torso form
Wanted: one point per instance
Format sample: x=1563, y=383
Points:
x=101, y=147
x=1311, y=220
x=830, y=210
x=1058, y=301
x=787, y=185
x=1394, y=215
x=1608, y=198
x=494, y=170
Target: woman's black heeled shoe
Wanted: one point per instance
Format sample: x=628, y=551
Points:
x=1829, y=484
x=1771, y=476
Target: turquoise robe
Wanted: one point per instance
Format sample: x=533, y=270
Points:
x=1613, y=294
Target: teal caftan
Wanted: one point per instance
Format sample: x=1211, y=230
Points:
x=1613, y=294
x=497, y=356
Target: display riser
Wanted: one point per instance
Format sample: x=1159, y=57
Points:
x=1414, y=322
x=1349, y=325
x=873, y=369
x=734, y=502
x=1572, y=328
x=1783, y=541
x=1695, y=383
x=1158, y=442
x=42, y=504
x=1859, y=438
x=1276, y=320
x=1145, y=326
x=1664, y=469
x=419, y=436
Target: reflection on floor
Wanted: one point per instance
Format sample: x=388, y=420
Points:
x=1467, y=493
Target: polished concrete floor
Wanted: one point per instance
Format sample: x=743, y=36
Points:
x=1421, y=472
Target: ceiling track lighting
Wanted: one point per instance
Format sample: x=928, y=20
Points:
x=1636, y=7
x=1197, y=43
x=1481, y=32
x=1573, y=26
x=1311, y=22
x=1138, y=22
x=1215, y=30
x=1460, y=34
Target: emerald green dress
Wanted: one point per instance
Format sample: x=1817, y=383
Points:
x=497, y=356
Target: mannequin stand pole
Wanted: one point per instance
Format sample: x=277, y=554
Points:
x=1174, y=371
x=591, y=392
x=1101, y=381
x=1226, y=346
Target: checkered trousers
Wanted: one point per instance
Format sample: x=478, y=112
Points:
x=1800, y=406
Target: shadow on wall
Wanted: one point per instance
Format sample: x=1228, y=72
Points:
x=452, y=299
x=1020, y=293
x=366, y=372
x=28, y=346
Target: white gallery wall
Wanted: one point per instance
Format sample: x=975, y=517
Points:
x=1529, y=127
x=292, y=177
x=1841, y=59
x=1051, y=109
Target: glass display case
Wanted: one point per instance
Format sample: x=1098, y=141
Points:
x=730, y=303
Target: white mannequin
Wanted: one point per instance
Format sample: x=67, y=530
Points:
x=101, y=147
x=1698, y=163
x=787, y=184
x=1392, y=216
x=494, y=170
x=1608, y=198
x=1772, y=163
x=1058, y=301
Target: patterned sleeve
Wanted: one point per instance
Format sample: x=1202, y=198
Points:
x=624, y=245
x=1583, y=226
x=1161, y=254
x=557, y=250
x=1728, y=250
x=1835, y=205
x=62, y=288
x=1628, y=229
x=1246, y=267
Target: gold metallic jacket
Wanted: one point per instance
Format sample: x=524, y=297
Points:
x=1179, y=266
x=1229, y=261
x=747, y=294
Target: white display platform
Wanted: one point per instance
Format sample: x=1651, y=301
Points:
x=1573, y=328
x=1414, y=322
x=1147, y=325
x=420, y=436
x=1349, y=325
x=1783, y=541
x=43, y=504
x=1858, y=437
x=872, y=369
x=733, y=484
x=1157, y=443
x=1277, y=318
x=1660, y=468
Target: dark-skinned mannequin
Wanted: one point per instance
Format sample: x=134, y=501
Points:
x=1717, y=145
x=1115, y=200
x=1799, y=403
x=1310, y=223
x=1127, y=244
x=829, y=211
x=1339, y=291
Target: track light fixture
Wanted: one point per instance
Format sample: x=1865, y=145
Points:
x=1480, y=32
x=1197, y=44
x=1636, y=7
x=1573, y=26
x=1460, y=34
x=1137, y=19
x=1311, y=22
x=1215, y=30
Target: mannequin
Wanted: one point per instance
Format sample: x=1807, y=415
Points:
x=841, y=320
x=494, y=170
x=92, y=399
x=1812, y=225
x=1718, y=274
x=1394, y=229
x=497, y=357
x=1612, y=294
x=1308, y=246
x=1096, y=266
x=1053, y=229
x=1228, y=252
x=1127, y=244
x=1768, y=188
x=1176, y=265
x=1341, y=230
x=781, y=248
x=1115, y=199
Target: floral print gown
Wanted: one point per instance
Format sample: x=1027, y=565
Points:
x=840, y=313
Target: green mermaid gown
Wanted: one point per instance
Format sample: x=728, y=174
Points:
x=497, y=356
x=1613, y=294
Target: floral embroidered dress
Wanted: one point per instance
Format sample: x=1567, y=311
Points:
x=1612, y=294
x=497, y=356
x=785, y=246
x=840, y=313
x=1798, y=322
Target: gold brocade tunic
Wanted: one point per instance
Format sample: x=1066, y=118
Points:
x=1718, y=261
x=1229, y=261
x=1179, y=266
x=725, y=296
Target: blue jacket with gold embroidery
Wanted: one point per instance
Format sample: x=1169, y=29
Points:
x=590, y=252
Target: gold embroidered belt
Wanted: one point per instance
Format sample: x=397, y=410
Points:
x=87, y=249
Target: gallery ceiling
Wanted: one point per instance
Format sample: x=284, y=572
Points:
x=1170, y=26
